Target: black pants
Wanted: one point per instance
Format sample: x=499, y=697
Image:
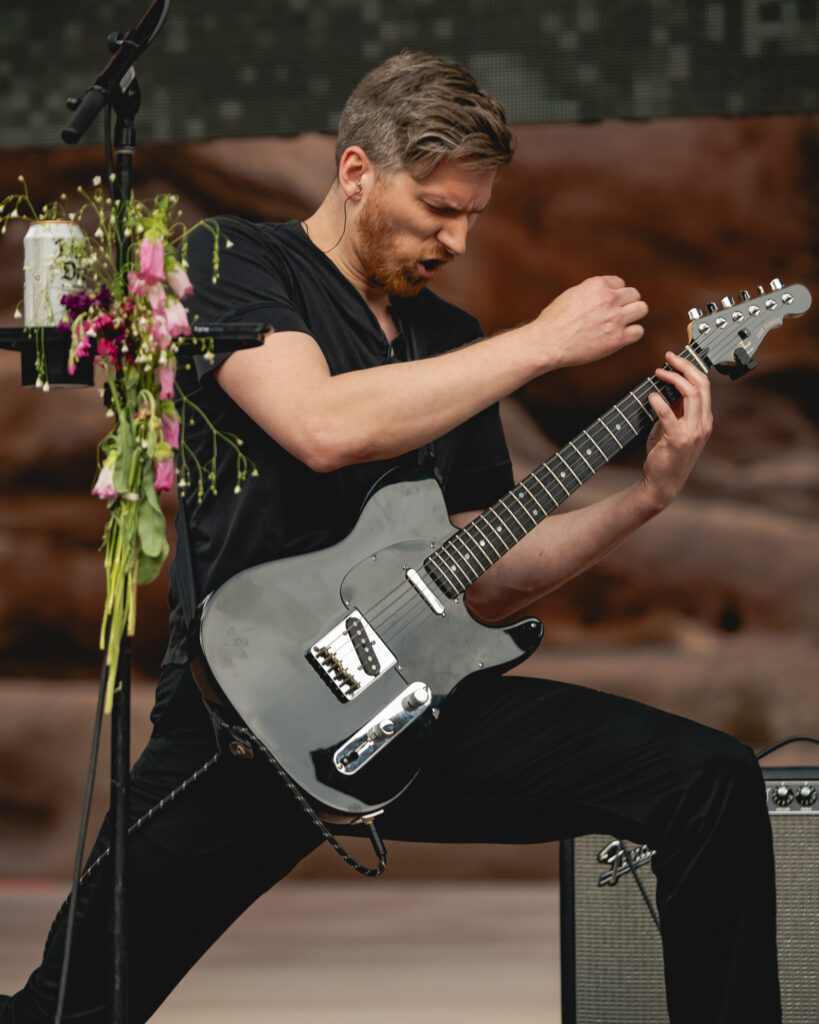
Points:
x=514, y=760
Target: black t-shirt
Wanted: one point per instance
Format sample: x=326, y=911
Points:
x=273, y=274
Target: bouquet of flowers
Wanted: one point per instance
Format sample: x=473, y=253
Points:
x=127, y=315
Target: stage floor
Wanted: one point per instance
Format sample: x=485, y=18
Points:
x=357, y=952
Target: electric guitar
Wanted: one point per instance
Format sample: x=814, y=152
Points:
x=337, y=660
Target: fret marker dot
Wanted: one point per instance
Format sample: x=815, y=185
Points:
x=454, y=568
x=483, y=543
x=616, y=426
x=588, y=451
x=563, y=474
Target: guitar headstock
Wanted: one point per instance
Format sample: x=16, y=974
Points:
x=728, y=334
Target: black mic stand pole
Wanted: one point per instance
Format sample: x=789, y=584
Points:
x=116, y=87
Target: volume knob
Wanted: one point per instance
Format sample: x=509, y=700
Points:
x=418, y=696
x=782, y=795
x=806, y=795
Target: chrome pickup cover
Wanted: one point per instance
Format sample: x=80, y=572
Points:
x=351, y=656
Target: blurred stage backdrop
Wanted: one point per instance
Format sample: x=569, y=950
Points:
x=675, y=144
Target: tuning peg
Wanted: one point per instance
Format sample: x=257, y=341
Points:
x=695, y=313
x=712, y=307
x=761, y=289
x=727, y=301
x=776, y=284
x=744, y=295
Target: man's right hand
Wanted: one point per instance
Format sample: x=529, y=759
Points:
x=590, y=321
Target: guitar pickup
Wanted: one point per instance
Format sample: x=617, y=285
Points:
x=351, y=656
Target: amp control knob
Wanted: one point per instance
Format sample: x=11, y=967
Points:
x=782, y=795
x=806, y=795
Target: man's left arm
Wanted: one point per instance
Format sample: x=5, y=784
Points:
x=563, y=546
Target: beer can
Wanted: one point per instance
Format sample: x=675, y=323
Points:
x=51, y=267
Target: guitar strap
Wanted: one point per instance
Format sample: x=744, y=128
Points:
x=413, y=327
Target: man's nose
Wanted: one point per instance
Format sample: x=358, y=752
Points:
x=452, y=235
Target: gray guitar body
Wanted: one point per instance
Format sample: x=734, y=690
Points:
x=260, y=631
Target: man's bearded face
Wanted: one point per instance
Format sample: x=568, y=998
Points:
x=395, y=248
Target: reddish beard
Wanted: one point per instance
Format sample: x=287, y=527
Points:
x=382, y=270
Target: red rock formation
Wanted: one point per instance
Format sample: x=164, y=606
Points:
x=711, y=610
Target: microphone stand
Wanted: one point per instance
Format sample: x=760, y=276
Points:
x=116, y=88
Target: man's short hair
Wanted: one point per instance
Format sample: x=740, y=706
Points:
x=415, y=110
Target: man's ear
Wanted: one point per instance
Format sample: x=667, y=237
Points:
x=355, y=171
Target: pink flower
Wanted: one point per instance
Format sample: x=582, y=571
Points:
x=160, y=332
x=157, y=298
x=167, y=376
x=136, y=286
x=177, y=319
x=180, y=282
x=164, y=475
x=151, y=261
x=104, y=487
x=170, y=430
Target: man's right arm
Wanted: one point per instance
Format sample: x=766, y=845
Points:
x=331, y=421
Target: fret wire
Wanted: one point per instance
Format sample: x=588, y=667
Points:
x=582, y=456
x=628, y=421
x=459, y=539
x=601, y=437
x=512, y=514
x=643, y=407
x=614, y=437
x=557, y=478
x=596, y=445
x=534, y=476
x=443, y=569
x=568, y=466
x=534, y=499
x=486, y=539
x=479, y=549
x=694, y=358
x=495, y=529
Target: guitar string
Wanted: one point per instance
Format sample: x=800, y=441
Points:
x=396, y=601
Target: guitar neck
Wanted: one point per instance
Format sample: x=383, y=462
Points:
x=467, y=554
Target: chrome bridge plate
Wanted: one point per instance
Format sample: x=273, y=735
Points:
x=371, y=738
x=351, y=656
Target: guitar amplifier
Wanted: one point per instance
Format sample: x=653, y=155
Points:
x=611, y=959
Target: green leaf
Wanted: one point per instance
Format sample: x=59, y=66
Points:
x=149, y=567
x=125, y=445
x=151, y=529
